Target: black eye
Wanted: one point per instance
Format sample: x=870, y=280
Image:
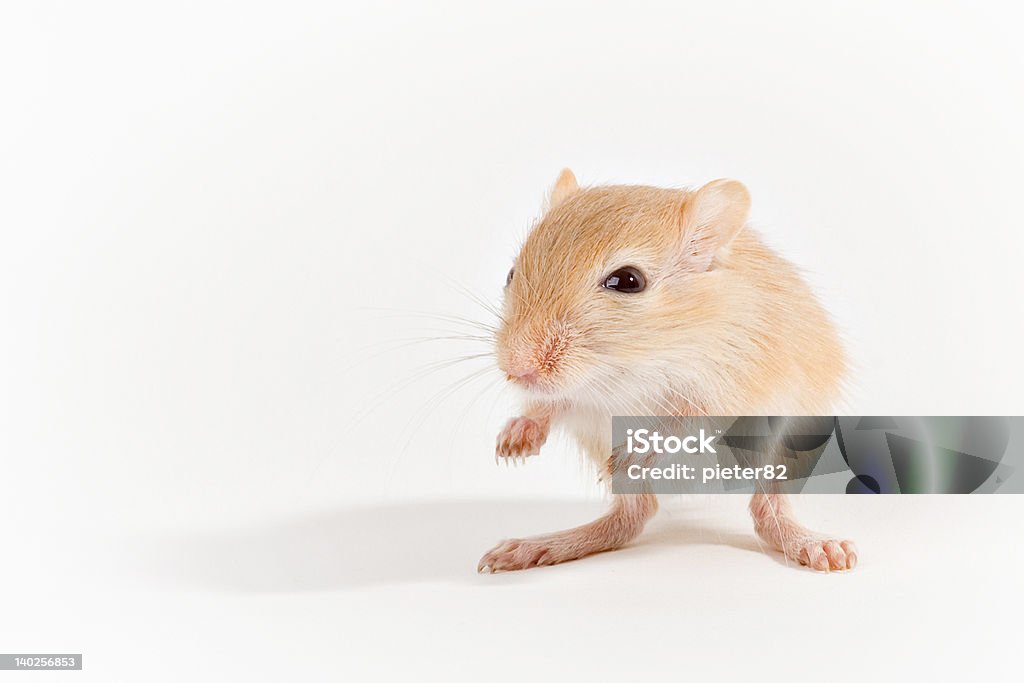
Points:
x=628, y=280
x=508, y=278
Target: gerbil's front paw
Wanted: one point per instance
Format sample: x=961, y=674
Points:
x=518, y=553
x=521, y=437
x=823, y=554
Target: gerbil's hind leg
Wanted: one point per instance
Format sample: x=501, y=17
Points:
x=617, y=527
x=776, y=525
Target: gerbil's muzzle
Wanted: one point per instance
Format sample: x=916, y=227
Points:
x=533, y=360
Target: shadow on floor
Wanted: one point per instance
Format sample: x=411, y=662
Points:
x=388, y=544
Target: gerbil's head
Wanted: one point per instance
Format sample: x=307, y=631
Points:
x=614, y=283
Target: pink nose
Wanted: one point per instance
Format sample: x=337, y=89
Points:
x=524, y=376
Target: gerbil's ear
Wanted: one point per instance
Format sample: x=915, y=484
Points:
x=712, y=217
x=565, y=187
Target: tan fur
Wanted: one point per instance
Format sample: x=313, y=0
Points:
x=565, y=186
x=725, y=326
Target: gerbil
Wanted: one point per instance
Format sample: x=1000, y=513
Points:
x=634, y=300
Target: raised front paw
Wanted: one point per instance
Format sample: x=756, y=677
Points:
x=823, y=554
x=521, y=437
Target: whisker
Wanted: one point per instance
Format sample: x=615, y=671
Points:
x=476, y=298
x=421, y=373
x=399, y=313
x=457, y=430
x=363, y=354
x=438, y=398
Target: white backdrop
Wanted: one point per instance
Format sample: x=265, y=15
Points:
x=226, y=231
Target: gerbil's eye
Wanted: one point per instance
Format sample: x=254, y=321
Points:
x=508, y=278
x=628, y=280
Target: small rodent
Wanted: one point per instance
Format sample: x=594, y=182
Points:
x=635, y=300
